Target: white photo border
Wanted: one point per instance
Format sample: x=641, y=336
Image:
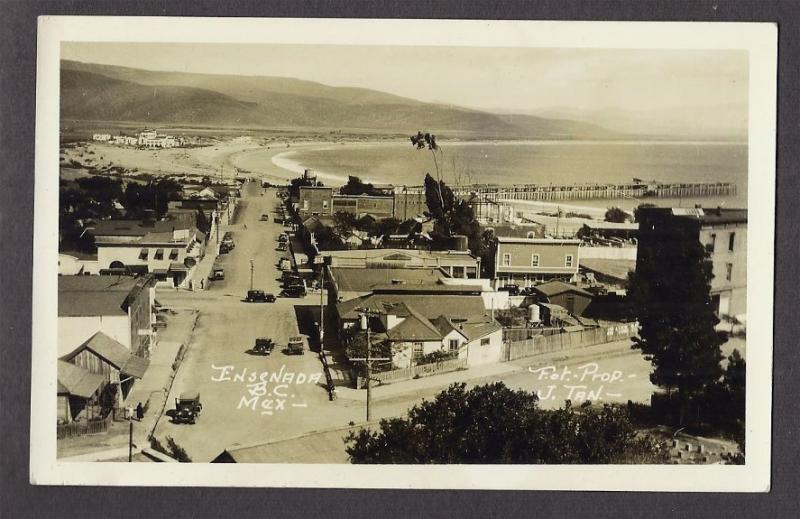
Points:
x=759, y=39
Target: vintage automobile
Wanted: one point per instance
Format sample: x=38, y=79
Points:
x=263, y=346
x=294, y=291
x=217, y=273
x=283, y=238
x=297, y=345
x=187, y=407
x=264, y=217
x=259, y=296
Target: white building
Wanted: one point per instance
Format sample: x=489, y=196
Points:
x=102, y=137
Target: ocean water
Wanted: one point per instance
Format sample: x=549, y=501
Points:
x=540, y=162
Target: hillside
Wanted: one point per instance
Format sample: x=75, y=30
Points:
x=109, y=93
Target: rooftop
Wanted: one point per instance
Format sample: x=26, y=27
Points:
x=114, y=353
x=539, y=241
x=77, y=381
x=600, y=226
x=96, y=295
x=140, y=228
x=465, y=306
x=614, y=268
x=365, y=279
x=706, y=216
x=553, y=288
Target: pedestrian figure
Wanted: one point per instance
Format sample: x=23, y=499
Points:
x=128, y=412
x=139, y=412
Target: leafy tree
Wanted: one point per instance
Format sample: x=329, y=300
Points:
x=616, y=215
x=494, y=424
x=669, y=292
x=344, y=222
x=327, y=239
x=355, y=186
x=296, y=183
x=153, y=196
x=172, y=449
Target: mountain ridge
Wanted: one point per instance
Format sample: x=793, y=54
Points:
x=108, y=92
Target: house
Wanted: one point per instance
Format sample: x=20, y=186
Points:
x=101, y=137
x=527, y=261
x=723, y=234
x=77, y=391
x=102, y=355
x=169, y=249
x=570, y=297
x=405, y=323
x=457, y=264
x=149, y=138
x=119, y=306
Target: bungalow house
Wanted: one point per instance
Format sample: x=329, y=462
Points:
x=419, y=320
x=118, y=306
x=102, y=355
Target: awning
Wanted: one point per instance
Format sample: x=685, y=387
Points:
x=177, y=267
x=160, y=272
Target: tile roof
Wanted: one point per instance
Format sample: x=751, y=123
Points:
x=77, y=381
x=114, y=353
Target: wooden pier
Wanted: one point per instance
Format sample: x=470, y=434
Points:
x=648, y=189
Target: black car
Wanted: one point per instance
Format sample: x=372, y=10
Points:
x=513, y=290
x=259, y=296
x=294, y=291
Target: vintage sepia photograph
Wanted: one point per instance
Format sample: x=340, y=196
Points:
x=484, y=250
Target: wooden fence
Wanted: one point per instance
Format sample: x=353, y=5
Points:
x=71, y=430
x=421, y=370
x=567, y=341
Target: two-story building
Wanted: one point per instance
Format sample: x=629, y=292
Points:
x=723, y=233
x=168, y=249
x=528, y=261
x=119, y=306
x=456, y=264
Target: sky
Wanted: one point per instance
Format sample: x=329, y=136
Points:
x=521, y=80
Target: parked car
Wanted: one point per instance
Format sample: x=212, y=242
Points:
x=263, y=346
x=294, y=291
x=286, y=265
x=217, y=273
x=297, y=345
x=283, y=238
x=187, y=407
x=259, y=296
x=265, y=217
x=527, y=291
x=512, y=290
x=282, y=247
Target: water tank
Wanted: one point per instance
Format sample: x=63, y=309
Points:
x=534, y=317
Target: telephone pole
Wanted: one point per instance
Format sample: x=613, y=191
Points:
x=252, y=268
x=366, y=314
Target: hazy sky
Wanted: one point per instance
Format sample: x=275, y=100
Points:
x=512, y=79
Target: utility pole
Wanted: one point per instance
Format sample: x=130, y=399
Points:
x=321, y=304
x=366, y=314
x=130, y=439
x=252, y=268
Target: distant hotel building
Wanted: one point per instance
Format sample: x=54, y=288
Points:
x=723, y=233
x=149, y=138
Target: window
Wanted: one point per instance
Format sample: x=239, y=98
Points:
x=324, y=204
x=159, y=255
x=568, y=260
x=710, y=244
x=728, y=271
x=731, y=239
x=485, y=341
x=453, y=344
x=506, y=259
x=173, y=254
x=534, y=260
x=143, y=254
x=417, y=349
